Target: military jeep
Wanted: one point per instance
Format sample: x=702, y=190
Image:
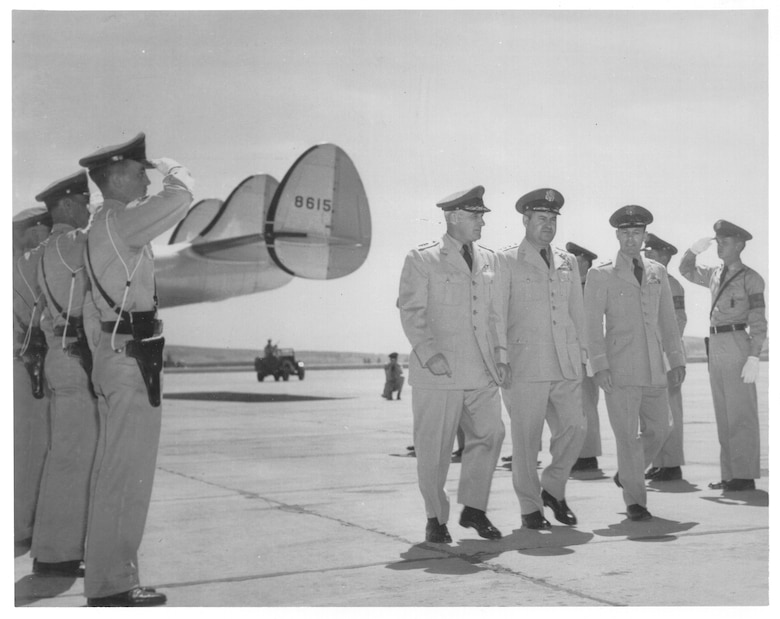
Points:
x=281, y=364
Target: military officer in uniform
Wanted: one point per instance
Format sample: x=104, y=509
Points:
x=61, y=516
x=591, y=448
x=127, y=359
x=31, y=414
x=738, y=328
x=394, y=377
x=449, y=308
x=631, y=325
x=546, y=350
x=667, y=464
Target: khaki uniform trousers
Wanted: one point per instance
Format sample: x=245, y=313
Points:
x=590, y=407
x=63, y=501
x=530, y=404
x=671, y=453
x=628, y=407
x=123, y=473
x=437, y=413
x=736, y=407
x=31, y=440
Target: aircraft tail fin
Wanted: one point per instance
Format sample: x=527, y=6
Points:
x=318, y=225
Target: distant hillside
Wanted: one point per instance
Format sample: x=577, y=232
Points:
x=196, y=356
x=193, y=356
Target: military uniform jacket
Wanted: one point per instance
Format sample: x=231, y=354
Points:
x=742, y=301
x=640, y=322
x=28, y=301
x=545, y=315
x=119, y=243
x=447, y=309
x=678, y=300
x=62, y=263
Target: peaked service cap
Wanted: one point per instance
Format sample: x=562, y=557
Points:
x=469, y=200
x=73, y=184
x=575, y=249
x=658, y=244
x=544, y=200
x=726, y=228
x=132, y=149
x=631, y=216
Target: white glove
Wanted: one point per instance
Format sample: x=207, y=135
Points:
x=169, y=167
x=701, y=245
x=750, y=370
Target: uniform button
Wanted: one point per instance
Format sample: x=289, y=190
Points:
x=475, y=298
x=475, y=311
x=473, y=283
x=555, y=323
x=553, y=307
x=475, y=327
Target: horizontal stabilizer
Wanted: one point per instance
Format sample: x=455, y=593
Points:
x=318, y=224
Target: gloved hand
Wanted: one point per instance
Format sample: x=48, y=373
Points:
x=750, y=370
x=167, y=166
x=701, y=245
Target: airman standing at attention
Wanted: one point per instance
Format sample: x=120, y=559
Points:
x=737, y=332
x=631, y=324
x=63, y=501
x=666, y=465
x=591, y=448
x=31, y=398
x=127, y=353
x=546, y=350
x=450, y=312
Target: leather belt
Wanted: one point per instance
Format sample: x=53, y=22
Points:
x=67, y=330
x=124, y=328
x=727, y=328
x=146, y=324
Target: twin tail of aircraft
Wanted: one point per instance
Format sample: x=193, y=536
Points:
x=315, y=224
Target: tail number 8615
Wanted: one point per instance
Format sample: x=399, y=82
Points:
x=313, y=204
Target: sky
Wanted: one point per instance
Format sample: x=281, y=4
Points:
x=666, y=109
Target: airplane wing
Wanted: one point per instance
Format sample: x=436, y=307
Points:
x=314, y=224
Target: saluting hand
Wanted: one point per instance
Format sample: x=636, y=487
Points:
x=438, y=365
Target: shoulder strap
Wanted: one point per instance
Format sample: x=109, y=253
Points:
x=722, y=288
x=100, y=288
x=56, y=305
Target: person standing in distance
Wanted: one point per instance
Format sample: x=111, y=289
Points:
x=591, y=448
x=631, y=325
x=394, y=377
x=31, y=414
x=121, y=269
x=546, y=350
x=449, y=306
x=666, y=465
x=738, y=329
x=63, y=501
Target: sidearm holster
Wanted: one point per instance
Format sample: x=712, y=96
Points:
x=79, y=349
x=146, y=348
x=33, y=359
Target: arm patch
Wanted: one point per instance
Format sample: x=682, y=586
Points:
x=679, y=302
x=756, y=301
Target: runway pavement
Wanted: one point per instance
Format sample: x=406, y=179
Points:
x=301, y=493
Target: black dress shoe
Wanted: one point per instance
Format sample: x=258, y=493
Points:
x=560, y=509
x=652, y=472
x=737, y=485
x=667, y=473
x=437, y=533
x=506, y=459
x=717, y=485
x=617, y=480
x=476, y=519
x=586, y=464
x=637, y=512
x=535, y=520
x=137, y=596
x=72, y=569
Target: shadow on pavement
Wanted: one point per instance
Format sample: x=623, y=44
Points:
x=653, y=530
x=236, y=396
x=465, y=557
x=591, y=475
x=753, y=498
x=677, y=486
x=33, y=587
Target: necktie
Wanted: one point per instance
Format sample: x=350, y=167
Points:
x=466, y=251
x=638, y=270
x=723, y=274
x=543, y=252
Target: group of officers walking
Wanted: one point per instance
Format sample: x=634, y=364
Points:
x=88, y=355
x=546, y=330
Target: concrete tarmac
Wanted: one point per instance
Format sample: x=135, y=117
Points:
x=301, y=494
